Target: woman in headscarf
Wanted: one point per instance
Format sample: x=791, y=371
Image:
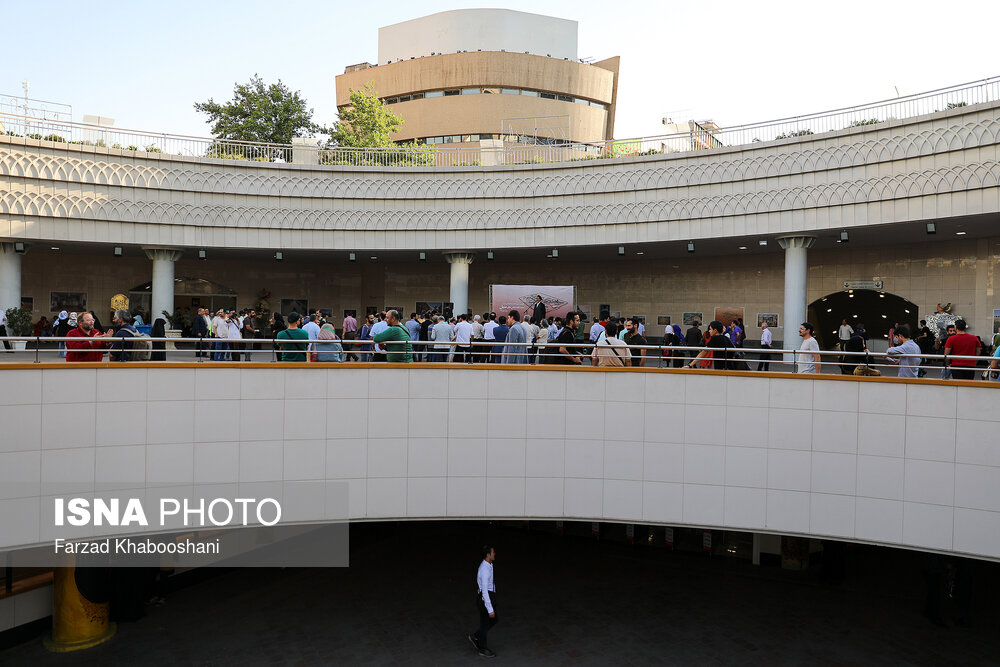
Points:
x=159, y=347
x=60, y=330
x=328, y=345
x=678, y=355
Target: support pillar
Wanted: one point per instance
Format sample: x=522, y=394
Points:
x=459, y=294
x=163, y=280
x=10, y=277
x=796, y=276
x=79, y=609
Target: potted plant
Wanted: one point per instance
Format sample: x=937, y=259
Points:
x=18, y=324
x=176, y=322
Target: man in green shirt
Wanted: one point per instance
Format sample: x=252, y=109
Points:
x=293, y=351
x=395, y=334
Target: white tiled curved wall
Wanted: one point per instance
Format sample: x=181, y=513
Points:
x=915, y=465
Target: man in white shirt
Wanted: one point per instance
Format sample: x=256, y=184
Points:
x=765, y=344
x=220, y=329
x=478, y=333
x=311, y=327
x=844, y=332
x=807, y=358
x=489, y=326
x=3, y=329
x=487, y=597
x=463, y=339
x=442, y=335
x=379, y=326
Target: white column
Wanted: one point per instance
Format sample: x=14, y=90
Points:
x=796, y=275
x=10, y=277
x=459, y=294
x=163, y=280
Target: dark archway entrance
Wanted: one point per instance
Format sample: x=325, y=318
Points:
x=878, y=311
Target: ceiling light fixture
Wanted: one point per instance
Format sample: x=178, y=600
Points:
x=555, y=252
x=118, y=251
x=202, y=254
x=489, y=255
x=690, y=246
x=621, y=250
x=844, y=238
x=351, y=257
x=278, y=256
x=762, y=242
x=931, y=228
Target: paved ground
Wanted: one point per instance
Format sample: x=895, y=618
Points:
x=408, y=599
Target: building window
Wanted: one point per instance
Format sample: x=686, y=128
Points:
x=491, y=91
x=449, y=93
x=598, y=105
x=417, y=96
x=391, y=100
x=585, y=103
x=404, y=98
x=434, y=93
x=511, y=91
x=468, y=138
x=565, y=98
x=548, y=96
x=530, y=93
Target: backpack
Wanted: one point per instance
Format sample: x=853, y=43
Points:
x=142, y=347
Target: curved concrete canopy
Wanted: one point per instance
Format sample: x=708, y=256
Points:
x=942, y=165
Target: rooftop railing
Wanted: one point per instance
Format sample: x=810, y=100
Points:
x=697, y=138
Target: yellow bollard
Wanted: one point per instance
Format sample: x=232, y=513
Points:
x=79, y=618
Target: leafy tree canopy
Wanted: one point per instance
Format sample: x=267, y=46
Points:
x=366, y=122
x=259, y=112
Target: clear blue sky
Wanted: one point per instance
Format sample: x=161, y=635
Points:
x=145, y=64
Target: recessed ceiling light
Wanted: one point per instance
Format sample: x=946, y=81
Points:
x=743, y=247
x=640, y=253
x=762, y=242
x=373, y=257
x=959, y=233
x=55, y=247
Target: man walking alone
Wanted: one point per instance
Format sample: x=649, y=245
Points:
x=486, y=598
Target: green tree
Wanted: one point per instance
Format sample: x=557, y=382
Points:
x=259, y=112
x=366, y=122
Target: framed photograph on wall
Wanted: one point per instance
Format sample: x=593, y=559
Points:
x=28, y=302
x=68, y=301
x=300, y=306
x=662, y=320
x=770, y=318
x=728, y=314
x=584, y=313
x=352, y=312
x=688, y=319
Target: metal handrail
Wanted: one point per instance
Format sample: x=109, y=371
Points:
x=973, y=92
x=530, y=348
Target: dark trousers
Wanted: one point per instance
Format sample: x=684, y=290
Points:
x=765, y=359
x=6, y=343
x=351, y=350
x=485, y=622
x=963, y=372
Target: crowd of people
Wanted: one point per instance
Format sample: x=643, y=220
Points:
x=516, y=338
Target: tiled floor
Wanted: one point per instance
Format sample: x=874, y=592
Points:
x=408, y=599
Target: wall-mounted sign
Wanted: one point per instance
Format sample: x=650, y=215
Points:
x=863, y=284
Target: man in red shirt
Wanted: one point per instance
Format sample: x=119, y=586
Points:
x=962, y=344
x=89, y=349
